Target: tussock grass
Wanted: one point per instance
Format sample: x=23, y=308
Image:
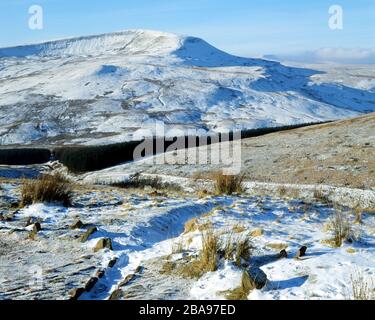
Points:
x=228, y=184
x=341, y=229
x=244, y=249
x=207, y=260
x=208, y=255
x=322, y=197
x=358, y=215
x=362, y=288
x=282, y=191
x=237, y=248
x=232, y=248
x=47, y=188
x=228, y=247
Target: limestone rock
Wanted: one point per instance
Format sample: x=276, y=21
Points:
x=91, y=283
x=116, y=295
x=100, y=274
x=76, y=225
x=301, y=252
x=88, y=233
x=282, y=254
x=112, y=263
x=257, y=277
x=76, y=293
x=104, y=243
x=37, y=227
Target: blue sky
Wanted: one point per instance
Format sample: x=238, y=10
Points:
x=243, y=27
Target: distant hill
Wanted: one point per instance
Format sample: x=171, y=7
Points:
x=102, y=89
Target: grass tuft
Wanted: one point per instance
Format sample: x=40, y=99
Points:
x=228, y=184
x=47, y=188
x=341, y=229
x=207, y=260
x=362, y=288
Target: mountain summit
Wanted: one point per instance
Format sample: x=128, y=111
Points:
x=103, y=88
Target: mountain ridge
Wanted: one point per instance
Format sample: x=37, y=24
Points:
x=105, y=88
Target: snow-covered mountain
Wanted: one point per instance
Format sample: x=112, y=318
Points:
x=101, y=89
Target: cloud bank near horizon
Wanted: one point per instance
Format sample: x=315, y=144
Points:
x=329, y=55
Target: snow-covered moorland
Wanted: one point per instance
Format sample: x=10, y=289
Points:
x=103, y=88
x=143, y=243
x=301, y=225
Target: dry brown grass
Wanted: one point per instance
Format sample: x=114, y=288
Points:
x=256, y=233
x=191, y=225
x=358, y=215
x=200, y=175
x=168, y=267
x=242, y=292
x=244, y=248
x=340, y=227
x=207, y=260
x=208, y=255
x=178, y=247
x=194, y=225
x=281, y=191
x=277, y=246
x=237, y=248
x=228, y=184
x=47, y=188
x=238, y=228
x=233, y=248
x=321, y=196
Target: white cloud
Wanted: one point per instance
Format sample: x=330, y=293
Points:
x=329, y=55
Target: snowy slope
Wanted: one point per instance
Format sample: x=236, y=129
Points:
x=147, y=228
x=101, y=89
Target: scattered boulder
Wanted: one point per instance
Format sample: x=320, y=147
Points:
x=77, y=224
x=37, y=227
x=127, y=279
x=76, y=293
x=257, y=277
x=301, y=252
x=283, y=254
x=112, y=263
x=88, y=233
x=104, y=243
x=116, y=295
x=100, y=274
x=91, y=283
x=139, y=269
